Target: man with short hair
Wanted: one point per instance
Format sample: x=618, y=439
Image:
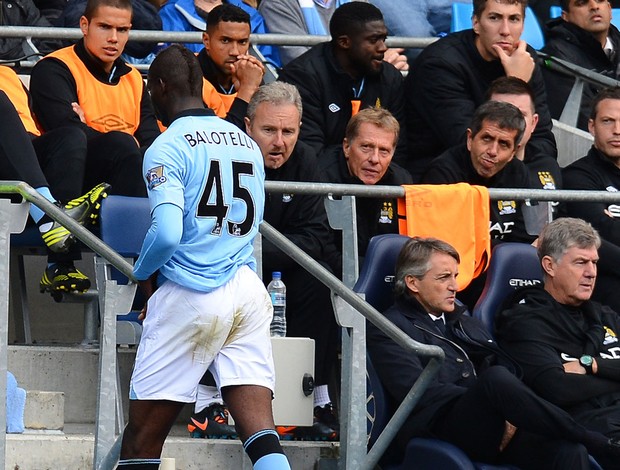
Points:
x=273, y=121
x=231, y=74
x=366, y=157
x=476, y=401
x=583, y=36
x=487, y=159
x=450, y=79
x=191, y=15
x=543, y=169
x=599, y=170
x=89, y=88
x=210, y=310
x=567, y=344
x=338, y=78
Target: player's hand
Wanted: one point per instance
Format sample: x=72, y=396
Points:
x=148, y=286
x=77, y=109
x=394, y=56
x=247, y=75
x=519, y=64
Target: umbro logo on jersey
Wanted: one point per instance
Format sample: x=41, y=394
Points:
x=334, y=108
x=112, y=122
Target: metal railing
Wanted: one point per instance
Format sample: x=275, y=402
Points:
x=353, y=442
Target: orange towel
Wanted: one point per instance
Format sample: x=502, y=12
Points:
x=456, y=213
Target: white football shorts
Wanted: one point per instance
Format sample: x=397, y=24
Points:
x=187, y=332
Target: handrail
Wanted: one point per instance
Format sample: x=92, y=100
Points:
x=196, y=37
x=81, y=233
x=568, y=68
x=435, y=353
x=360, y=190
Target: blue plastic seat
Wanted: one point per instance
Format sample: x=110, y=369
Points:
x=532, y=32
x=512, y=265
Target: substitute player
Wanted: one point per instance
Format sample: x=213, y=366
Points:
x=205, y=183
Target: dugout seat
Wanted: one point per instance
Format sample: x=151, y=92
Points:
x=376, y=283
x=513, y=265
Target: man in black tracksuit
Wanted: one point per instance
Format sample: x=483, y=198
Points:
x=450, y=79
x=475, y=401
x=566, y=343
x=337, y=78
x=584, y=36
x=365, y=157
x=273, y=121
x=493, y=166
x=599, y=171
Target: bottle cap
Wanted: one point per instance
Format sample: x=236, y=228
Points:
x=276, y=275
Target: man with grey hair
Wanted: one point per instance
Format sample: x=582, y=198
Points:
x=273, y=121
x=476, y=401
x=566, y=343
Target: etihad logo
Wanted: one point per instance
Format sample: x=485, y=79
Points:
x=111, y=122
x=524, y=282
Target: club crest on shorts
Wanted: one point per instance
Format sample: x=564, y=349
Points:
x=155, y=177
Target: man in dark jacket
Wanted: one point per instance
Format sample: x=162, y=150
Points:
x=583, y=36
x=475, y=401
x=599, y=170
x=23, y=13
x=488, y=159
x=273, y=121
x=340, y=77
x=566, y=343
x=365, y=157
x=450, y=78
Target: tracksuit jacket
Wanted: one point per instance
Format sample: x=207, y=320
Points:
x=541, y=335
x=469, y=350
x=327, y=90
x=569, y=42
x=447, y=82
x=455, y=166
x=595, y=172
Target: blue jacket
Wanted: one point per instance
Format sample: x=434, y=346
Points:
x=181, y=15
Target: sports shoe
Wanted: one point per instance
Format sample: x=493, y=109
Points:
x=84, y=209
x=319, y=431
x=211, y=423
x=60, y=278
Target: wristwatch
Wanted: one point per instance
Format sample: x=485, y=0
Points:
x=586, y=362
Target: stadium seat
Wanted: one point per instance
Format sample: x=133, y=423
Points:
x=532, y=32
x=513, y=265
x=615, y=17
x=555, y=11
x=376, y=283
x=124, y=222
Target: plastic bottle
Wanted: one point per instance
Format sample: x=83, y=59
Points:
x=277, y=292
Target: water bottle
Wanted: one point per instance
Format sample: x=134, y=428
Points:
x=277, y=292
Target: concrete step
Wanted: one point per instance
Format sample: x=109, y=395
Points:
x=44, y=410
x=57, y=450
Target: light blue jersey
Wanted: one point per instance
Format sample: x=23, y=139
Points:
x=214, y=173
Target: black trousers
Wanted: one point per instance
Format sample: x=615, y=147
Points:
x=546, y=438
x=18, y=160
